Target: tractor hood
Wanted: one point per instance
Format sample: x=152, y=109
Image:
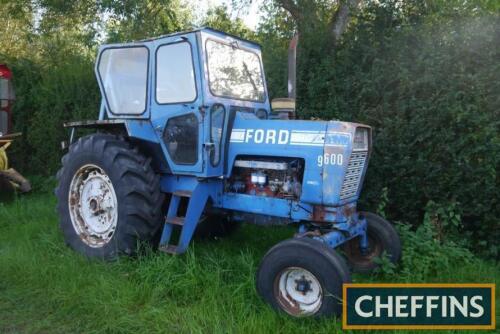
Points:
x=335, y=153
x=346, y=152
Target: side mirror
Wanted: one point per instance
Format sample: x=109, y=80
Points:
x=283, y=108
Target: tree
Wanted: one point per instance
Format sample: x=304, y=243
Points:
x=308, y=13
x=219, y=18
x=139, y=19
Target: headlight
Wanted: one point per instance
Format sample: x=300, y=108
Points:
x=360, y=139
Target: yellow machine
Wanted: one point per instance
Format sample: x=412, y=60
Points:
x=10, y=179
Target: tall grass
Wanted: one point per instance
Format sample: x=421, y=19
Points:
x=45, y=287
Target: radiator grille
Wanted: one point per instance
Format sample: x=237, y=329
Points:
x=353, y=175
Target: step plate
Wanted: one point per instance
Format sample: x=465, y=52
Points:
x=175, y=221
x=182, y=193
x=170, y=249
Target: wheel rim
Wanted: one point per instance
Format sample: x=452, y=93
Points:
x=93, y=206
x=356, y=255
x=298, y=292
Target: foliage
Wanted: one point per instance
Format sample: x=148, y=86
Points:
x=426, y=256
x=140, y=19
x=424, y=75
x=219, y=18
x=435, y=111
x=430, y=249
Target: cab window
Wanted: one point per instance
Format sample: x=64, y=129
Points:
x=175, y=82
x=234, y=72
x=123, y=76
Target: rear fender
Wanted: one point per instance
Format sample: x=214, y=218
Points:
x=140, y=132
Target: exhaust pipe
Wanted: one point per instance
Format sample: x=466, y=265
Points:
x=292, y=67
x=284, y=108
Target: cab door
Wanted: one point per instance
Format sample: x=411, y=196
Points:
x=175, y=104
x=234, y=83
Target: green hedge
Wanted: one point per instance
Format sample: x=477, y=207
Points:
x=48, y=94
x=431, y=92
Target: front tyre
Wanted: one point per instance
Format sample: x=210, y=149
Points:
x=108, y=197
x=382, y=239
x=303, y=277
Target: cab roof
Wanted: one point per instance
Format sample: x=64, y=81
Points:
x=201, y=29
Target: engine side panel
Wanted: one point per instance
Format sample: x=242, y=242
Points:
x=282, y=138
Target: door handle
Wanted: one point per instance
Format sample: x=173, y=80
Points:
x=209, y=146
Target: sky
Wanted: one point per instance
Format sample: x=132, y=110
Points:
x=250, y=18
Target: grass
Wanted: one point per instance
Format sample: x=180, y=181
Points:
x=45, y=287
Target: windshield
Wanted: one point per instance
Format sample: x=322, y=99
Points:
x=234, y=72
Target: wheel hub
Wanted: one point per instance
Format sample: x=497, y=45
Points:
x=93, y=206
x=299, y=291
x=303, y=285
x=358, y=254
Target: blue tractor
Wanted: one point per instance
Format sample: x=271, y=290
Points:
x=187, y=141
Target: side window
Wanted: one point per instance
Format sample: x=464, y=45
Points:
x=181, y=138
x=123, y=76
x=175, y=81
x=217, y=116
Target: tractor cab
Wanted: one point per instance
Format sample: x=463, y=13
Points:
x=190, y=86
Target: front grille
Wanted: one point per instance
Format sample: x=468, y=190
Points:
x=353, y=175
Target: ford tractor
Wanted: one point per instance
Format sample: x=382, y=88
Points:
x=188, y=141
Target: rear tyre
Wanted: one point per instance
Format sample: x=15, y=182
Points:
x=382, y=239
x=108, y=197
x=303, y=278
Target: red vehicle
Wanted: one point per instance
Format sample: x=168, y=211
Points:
x=7, y=98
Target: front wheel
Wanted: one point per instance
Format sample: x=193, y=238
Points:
x=108, y=197
x=303, y=277
x=382, y=239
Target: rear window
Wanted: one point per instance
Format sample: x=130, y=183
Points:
x=123, y=75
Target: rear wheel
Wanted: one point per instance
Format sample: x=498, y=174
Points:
x=303, y=277
x=108, y=197
x=382, y=239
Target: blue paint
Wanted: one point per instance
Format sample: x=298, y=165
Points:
x=346, y=231
x=326, y=147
